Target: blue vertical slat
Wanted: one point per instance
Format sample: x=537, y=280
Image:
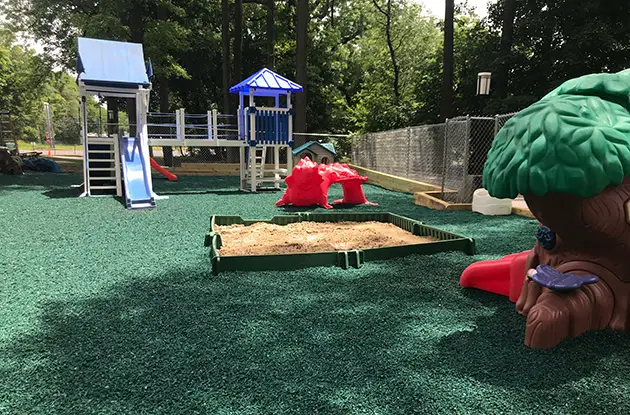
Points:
x=270, y=127
x=285, y=127
x=263, y=130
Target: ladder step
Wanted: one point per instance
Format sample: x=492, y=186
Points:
x=102, y=169
x=103, y=178
x=103, y=187
x=101, y=151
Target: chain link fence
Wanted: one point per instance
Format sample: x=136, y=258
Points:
x=449, y=156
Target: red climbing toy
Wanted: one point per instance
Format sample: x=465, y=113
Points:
x=309, y=182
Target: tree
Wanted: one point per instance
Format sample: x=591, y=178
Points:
x=301, y=29
x=387, y=12
x=507, y=34
x=569, y=155
x=225, y=41
x=447, y=86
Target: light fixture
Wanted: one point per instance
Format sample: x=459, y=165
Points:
x=483, y=83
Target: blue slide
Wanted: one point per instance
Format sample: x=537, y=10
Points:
x=136, y=175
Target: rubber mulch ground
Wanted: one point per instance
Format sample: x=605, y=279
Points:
x=105, y=310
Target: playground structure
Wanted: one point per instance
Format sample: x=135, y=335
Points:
x=115, y=163
x=309, y=182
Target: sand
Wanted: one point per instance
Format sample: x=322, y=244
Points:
x=268, y=239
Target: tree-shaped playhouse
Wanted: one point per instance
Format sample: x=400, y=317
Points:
x=569, y=156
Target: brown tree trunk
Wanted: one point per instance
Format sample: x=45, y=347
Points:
x=387, y=12
x=136, y=28
x=225, y=41
x=165, y=107
x=301, y=70
x=164, y=89
x=592, y=236
x=271, y=34
x=447, y=85
x=507, y=36
x=232, y=153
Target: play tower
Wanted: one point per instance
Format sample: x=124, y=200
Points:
x=118, y=162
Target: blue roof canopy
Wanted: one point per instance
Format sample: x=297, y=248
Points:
x=110, y=63
x=266, y=82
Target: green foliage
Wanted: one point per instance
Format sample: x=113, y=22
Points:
x=575, y=140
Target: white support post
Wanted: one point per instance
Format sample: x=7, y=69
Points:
x=290, y=127
x=289, y=160
x=252, y=168
x=215, y=124
x=243, y=167
x=142, y=133
x=210, y=125
x=86, y=163
x=240, y=122
x=181, y=122
x=276, y=166
x=117, y=166
x=277, y=119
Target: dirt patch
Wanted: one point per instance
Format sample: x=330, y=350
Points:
x=268, y=239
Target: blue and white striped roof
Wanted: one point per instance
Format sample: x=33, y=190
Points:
x=266, y=81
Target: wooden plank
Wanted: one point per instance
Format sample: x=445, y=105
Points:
x=522, y=212
x=391, y=182
x=213, y=169
x=429, y=199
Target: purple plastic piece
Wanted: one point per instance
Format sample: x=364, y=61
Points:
x=553, y=279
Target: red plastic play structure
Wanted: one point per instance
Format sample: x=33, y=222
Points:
x=169, y=176
x=503, y=276
x=309, y=182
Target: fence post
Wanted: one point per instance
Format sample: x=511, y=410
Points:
x=215, y=124
x=444, y=168
x=210, y=124
x=466, y=185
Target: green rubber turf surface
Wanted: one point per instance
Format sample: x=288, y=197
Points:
x=105, y=310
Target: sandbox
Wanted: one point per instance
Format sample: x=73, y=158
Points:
x=322, y=239
x=269, y=239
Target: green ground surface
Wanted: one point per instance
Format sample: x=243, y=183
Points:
x=104, y=310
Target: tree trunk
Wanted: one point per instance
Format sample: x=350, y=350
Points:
x=586, y=242
x=225, y=40
x=301, y=70
x=136, y=28
x=271, y=34
x=507, y=37
x=388, y=37
x=447, y=85
x=164, y=89
x=165, y=107
x=232, y=153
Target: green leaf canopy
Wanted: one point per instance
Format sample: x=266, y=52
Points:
x=575, y=140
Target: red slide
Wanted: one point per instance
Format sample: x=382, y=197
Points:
x=503, y=276
x=170, y=176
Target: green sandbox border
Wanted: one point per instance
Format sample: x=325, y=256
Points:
x=345, y=259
